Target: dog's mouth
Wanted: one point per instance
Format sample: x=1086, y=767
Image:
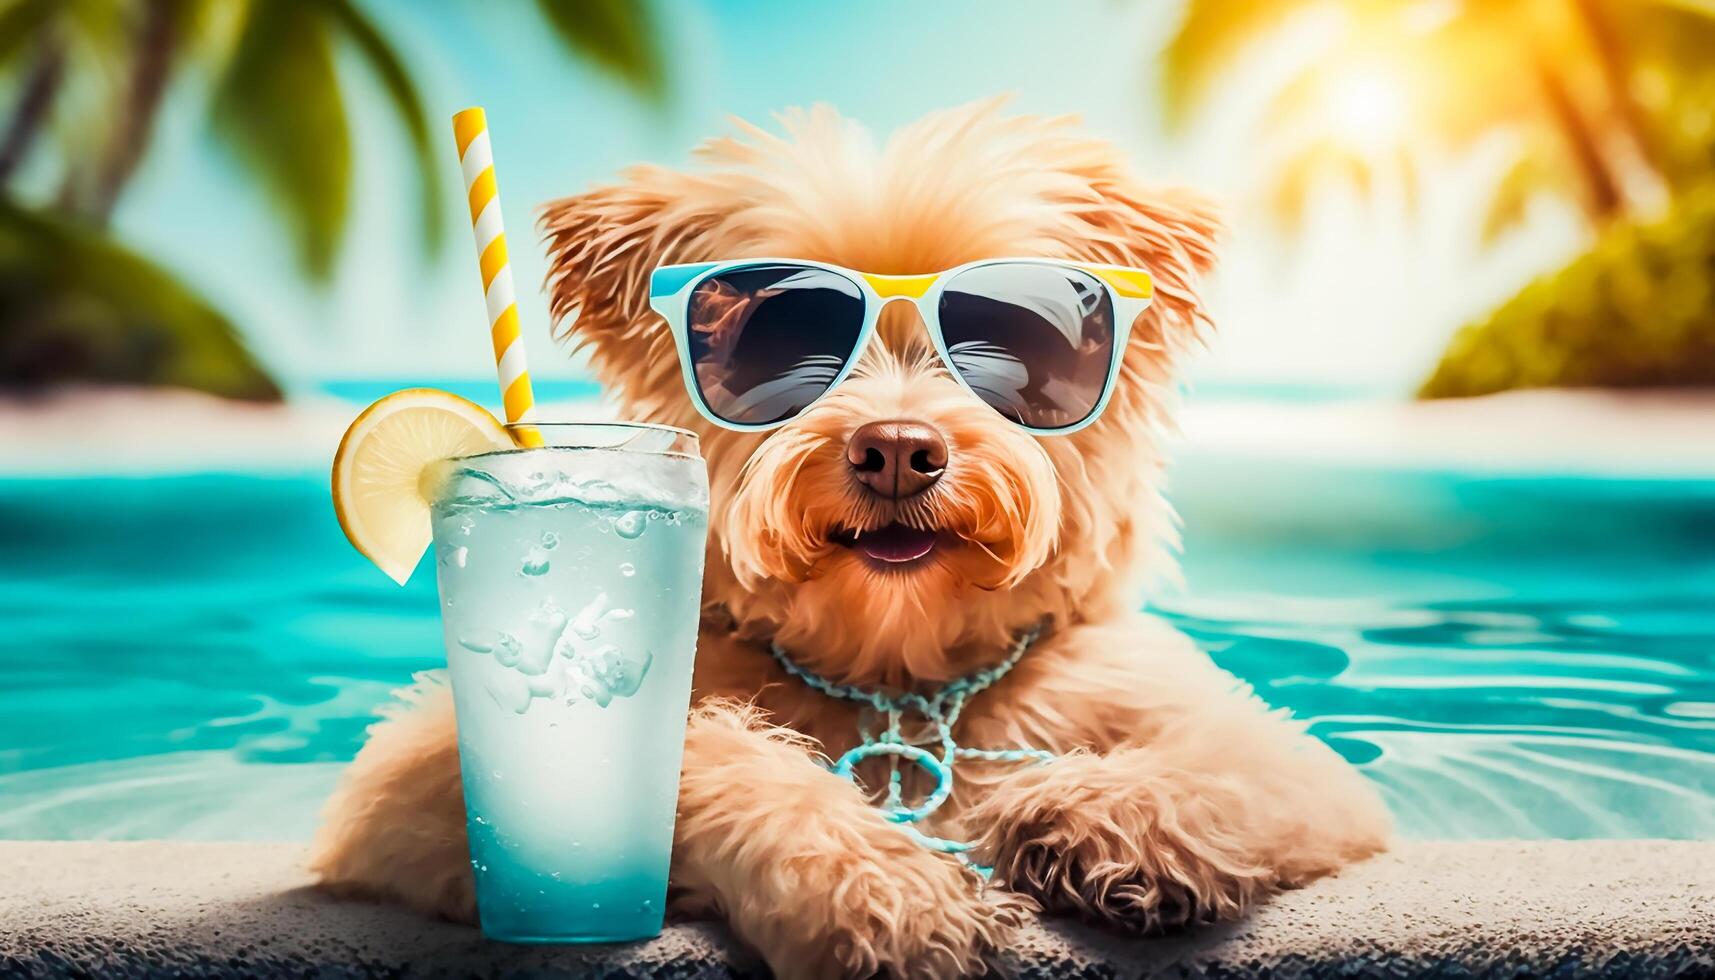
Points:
x=895, y=545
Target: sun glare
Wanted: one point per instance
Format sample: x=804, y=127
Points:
x=1366, y=106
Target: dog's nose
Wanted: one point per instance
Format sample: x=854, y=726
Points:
x=897, y=458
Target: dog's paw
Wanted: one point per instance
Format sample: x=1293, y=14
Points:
x=457, y=900
x=1116, y=855
x=895, y=910
x=451, y=897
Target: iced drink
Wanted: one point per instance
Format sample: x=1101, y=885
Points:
x=570, y=580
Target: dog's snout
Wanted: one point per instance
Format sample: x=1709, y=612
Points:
x=897, y=458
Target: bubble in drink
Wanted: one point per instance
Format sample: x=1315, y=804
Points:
x=627, y=569
x=550, y=540
x=630, y=524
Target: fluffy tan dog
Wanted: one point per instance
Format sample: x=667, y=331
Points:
x=1180, y=798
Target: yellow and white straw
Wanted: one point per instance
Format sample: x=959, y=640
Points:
x=476, y=158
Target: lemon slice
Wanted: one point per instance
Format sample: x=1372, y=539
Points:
x=376, y=495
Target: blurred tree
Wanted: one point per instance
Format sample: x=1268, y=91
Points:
x=79, y=306
x=95, y=74
x=617, y=36
x=1606, y=104
x=1637, y=311
x=1595, y=97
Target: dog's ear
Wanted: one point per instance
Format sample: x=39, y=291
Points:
x=1171, y=233
x=602, y=247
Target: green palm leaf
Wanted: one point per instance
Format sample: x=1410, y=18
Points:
x=22, y=23
x=617, y=35
x=407, y=106
x=279, y=107
x=75, y=306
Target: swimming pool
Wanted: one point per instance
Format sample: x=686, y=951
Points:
x=1525, y=656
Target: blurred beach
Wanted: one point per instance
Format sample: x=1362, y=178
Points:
x=1661, y=433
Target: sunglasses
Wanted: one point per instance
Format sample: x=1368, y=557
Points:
x=1038, y=340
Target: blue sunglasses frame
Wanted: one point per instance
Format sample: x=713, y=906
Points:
x=1129, y=290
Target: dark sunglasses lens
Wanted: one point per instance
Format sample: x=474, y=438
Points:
x=1033, y=341
x=767, y=340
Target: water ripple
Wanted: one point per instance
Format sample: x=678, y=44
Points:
x=1518, y=719
x=196, y=656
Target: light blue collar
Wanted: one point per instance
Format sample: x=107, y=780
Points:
x=941, y=709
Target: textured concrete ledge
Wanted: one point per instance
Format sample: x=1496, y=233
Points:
x=1560, y=909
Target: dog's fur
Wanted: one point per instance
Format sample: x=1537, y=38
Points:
x=1181, y=797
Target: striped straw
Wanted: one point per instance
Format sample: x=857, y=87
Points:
x=476, y=157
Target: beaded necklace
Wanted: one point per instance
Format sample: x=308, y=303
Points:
x=942, y=709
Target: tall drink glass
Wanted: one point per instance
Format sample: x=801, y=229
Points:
x=570, y=580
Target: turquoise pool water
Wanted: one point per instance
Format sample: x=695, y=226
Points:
x=195, y=656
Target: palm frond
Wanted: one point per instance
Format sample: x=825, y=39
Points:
x=1211, y=36
x=1531, y=175
x=1409, y=174
x=619, y=36
x=278, y=105
x=22, y=23
x=1305, y=172
x=407, y=106
x=77, y=307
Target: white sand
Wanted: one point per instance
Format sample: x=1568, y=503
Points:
x=1671, y=434
x=86, y=431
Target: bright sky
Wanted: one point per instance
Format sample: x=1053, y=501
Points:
x=1363, y=298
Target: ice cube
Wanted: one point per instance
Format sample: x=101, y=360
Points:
x=538, y=637
x=566, y=646
x=535, y=562
x=627, y=673
x=608, y=672
x=535, y=659
x=508, y=690
x=549, y=685
x=507, y=649
x=584, y=624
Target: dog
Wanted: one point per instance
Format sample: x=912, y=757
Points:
x=1177, y=796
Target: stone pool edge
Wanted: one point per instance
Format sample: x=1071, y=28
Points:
x=1426, y=909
